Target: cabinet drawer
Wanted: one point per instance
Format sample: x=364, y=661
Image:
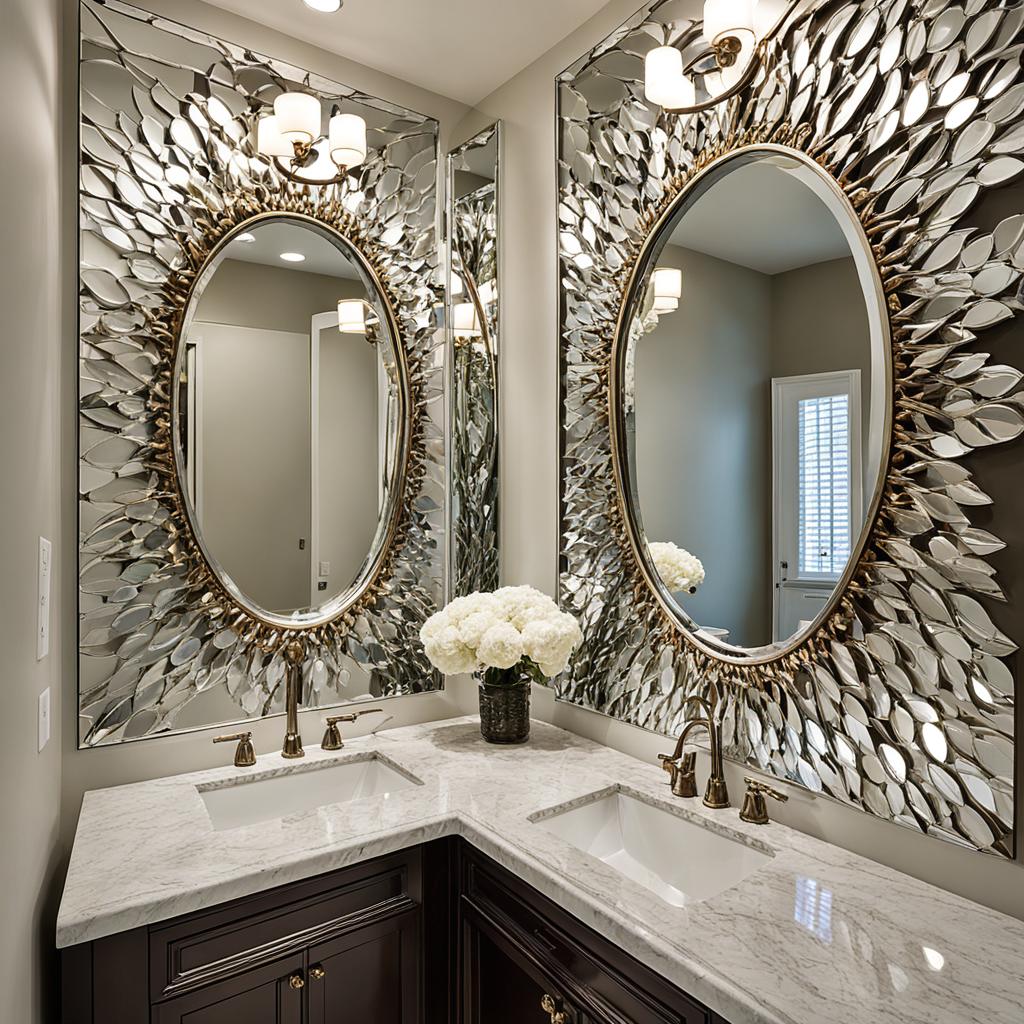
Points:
x=609, y=986
x=202, y=948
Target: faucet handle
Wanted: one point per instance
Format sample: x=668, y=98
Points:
x=332, y=736
x=682, y=774
x=755, y=807
x=245, y=756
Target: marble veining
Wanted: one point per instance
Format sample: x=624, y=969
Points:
x=816, y=935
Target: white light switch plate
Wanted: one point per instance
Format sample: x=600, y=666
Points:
x=325, y=568
x=43, y=620
x=44, y=718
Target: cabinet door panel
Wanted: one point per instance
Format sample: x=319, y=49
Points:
x=371, y=975
x=501, y=984
x=262, y=996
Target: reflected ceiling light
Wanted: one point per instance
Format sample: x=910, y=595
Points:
x=667, y=285
x=245, y=236
x=324, y=6
x=292, y=257
x=935, y=960
x=291, y=137
x=352, y=316
x=465, y=322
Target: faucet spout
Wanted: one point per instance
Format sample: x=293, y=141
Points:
x=717, y=793
x=292, y=748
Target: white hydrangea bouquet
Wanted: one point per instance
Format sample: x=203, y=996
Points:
x=511, y=636
x=677, y=567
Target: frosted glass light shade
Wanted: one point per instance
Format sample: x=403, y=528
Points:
x=663, y=67
x=347, y=139
x=667, y=284
x=298, y=116
x=352, y=316
x=664, y=81
x=465, y=322
x=269, y=140
x=723, y=18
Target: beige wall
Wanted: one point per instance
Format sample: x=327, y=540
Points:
x=529, y=467
x=96, y=768
x=35, y=354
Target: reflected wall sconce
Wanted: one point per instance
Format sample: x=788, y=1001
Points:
x=667, y=286
x=465, y=321
x=292, y=138
x=352, y=316
x=725, y=61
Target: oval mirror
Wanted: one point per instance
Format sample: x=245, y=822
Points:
x=290, y=419
x=752, y=403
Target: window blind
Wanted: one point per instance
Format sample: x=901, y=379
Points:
x=824, y=464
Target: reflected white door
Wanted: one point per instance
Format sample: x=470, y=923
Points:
x=816, y=490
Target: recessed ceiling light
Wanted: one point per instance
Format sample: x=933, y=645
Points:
x=326, y=6
x=292, y=257
x=246, y=236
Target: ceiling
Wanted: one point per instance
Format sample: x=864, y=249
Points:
x=462, y=49
x=270, y=239
x=764, y=217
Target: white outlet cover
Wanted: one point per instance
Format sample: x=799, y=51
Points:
x=43, y=616
x=325, y=568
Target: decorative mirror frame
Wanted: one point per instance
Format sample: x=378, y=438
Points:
x=163, y=187
x=899, y=702
x=474, y=252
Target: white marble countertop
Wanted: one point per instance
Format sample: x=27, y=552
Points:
x=816, y=936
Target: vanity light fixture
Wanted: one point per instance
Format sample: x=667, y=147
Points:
x=292, y=138
x=293, y=257
x=729, y=26
x=733, y=30
x=667, y=286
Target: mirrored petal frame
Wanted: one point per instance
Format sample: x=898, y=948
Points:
x=168, y=170
x=900, y=702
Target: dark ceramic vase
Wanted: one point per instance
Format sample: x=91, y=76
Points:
x=505, y=706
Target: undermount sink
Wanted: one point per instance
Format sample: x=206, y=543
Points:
x=676, y=858
x=248, y=801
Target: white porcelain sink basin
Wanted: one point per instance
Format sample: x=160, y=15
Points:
x=683, y=862
x=247, y=801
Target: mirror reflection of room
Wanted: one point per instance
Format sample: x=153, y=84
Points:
x=285, y=407
x=751, y=395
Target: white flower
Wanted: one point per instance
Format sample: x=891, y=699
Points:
x=448, y=653
x=678, y=568
x=499, y=631
x=501, y=646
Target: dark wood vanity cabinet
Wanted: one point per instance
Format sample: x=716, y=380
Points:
x=435, y=935
x=523, y=959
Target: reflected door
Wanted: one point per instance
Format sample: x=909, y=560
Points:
x=817, y=491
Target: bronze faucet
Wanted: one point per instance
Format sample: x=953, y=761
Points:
x=681, y=769
x=292, y=748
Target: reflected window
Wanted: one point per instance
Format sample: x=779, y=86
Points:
x=824, y=486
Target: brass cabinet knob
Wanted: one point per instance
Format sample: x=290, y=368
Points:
x=245, y=756
x=297, y=980
x=317, y=972
x=550, y=1007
